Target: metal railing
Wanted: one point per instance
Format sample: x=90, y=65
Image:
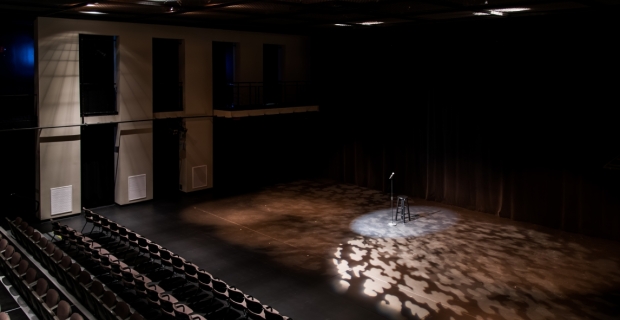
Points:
x=252, y=95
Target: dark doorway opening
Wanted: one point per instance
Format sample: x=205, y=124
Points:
x=166, y=138
x=98, y=174
x=272, y=73
x=223, y=74
x=17, y=190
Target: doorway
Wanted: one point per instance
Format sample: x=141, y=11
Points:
x=98, y=174
x=167, y=134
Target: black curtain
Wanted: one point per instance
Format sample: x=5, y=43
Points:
x=508, y=117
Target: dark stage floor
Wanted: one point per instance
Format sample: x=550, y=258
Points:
x=322, y=250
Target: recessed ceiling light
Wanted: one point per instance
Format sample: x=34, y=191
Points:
x=370, y=23
x=93, y=12
x=342, y=24
x=481, y=14
x=91, y=4
x=496, y=13
x=511, y=9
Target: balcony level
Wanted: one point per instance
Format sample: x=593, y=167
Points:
x=245, y=99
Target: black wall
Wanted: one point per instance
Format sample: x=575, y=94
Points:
x=507, y=116
x=251, y=152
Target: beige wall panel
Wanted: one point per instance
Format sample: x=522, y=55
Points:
x=58, y=92
x=135, y=158
x=199, y=151
x=59, y=152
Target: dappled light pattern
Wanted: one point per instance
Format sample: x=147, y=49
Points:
x=447, y=263
x=481, y=268
x=373, y=224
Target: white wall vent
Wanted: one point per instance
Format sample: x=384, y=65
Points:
x=136, y=187
x=62, y=200
x=199, y=177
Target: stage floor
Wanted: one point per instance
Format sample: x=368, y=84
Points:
x=323, y=250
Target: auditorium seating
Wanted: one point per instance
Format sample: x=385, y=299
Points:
x=219, y=300
x=44, y=299
x=132, y=264
x=68, y=273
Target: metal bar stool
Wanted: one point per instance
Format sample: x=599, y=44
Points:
x=402, y=208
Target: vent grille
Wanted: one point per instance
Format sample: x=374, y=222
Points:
x=62, y=199
x=136, y=187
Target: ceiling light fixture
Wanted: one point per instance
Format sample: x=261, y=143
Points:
x=496, y=13
x=93, y=12
x=342, y=24
x=91, y=4
x=505, y=10
x=370, y=23
x=481, y=14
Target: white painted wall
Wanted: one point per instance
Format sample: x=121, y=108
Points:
x=58, y=93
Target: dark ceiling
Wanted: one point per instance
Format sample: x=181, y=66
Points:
x=290, y=16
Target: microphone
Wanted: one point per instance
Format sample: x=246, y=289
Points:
x=391, y=175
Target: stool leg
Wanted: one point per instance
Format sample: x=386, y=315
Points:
x=408, y=212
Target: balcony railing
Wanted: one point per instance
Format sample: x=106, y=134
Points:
x=256, y=95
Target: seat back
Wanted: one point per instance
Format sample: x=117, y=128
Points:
x=43, y=242
x=272, y=314
x=220, y=288
x=49, y=249
x=109, y=299
x=167, y=302
x=23, y=267
x=36, y=236
x=143, y=245
x=204, y=280
x=122, y=310
x=191, y=272
x=88, y=215
x=16, y=257
x=31, y=275
x=75, y=270
x=122, y=232
x=66, y=262
x=136, y=316
x=153, y=250
x=236, y=298
x=253, y=306
x=41, y=287
x=57, y=256
x=64, y=310
x=97, y=288
x=182, y=311
x=51, y=299
x=178, y=263
x=76, y=316
x=8, y=251
x=85, y=277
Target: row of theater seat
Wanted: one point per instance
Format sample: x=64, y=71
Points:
x=157, y=296
x=101, y=302
x=231, y=298
x=32, y=286
x=121, y=272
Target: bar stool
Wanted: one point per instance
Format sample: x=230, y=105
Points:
x=402, y=208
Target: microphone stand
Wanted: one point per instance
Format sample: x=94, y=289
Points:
x=392, y=222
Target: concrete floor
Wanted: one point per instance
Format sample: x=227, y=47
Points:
x=323, y=250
